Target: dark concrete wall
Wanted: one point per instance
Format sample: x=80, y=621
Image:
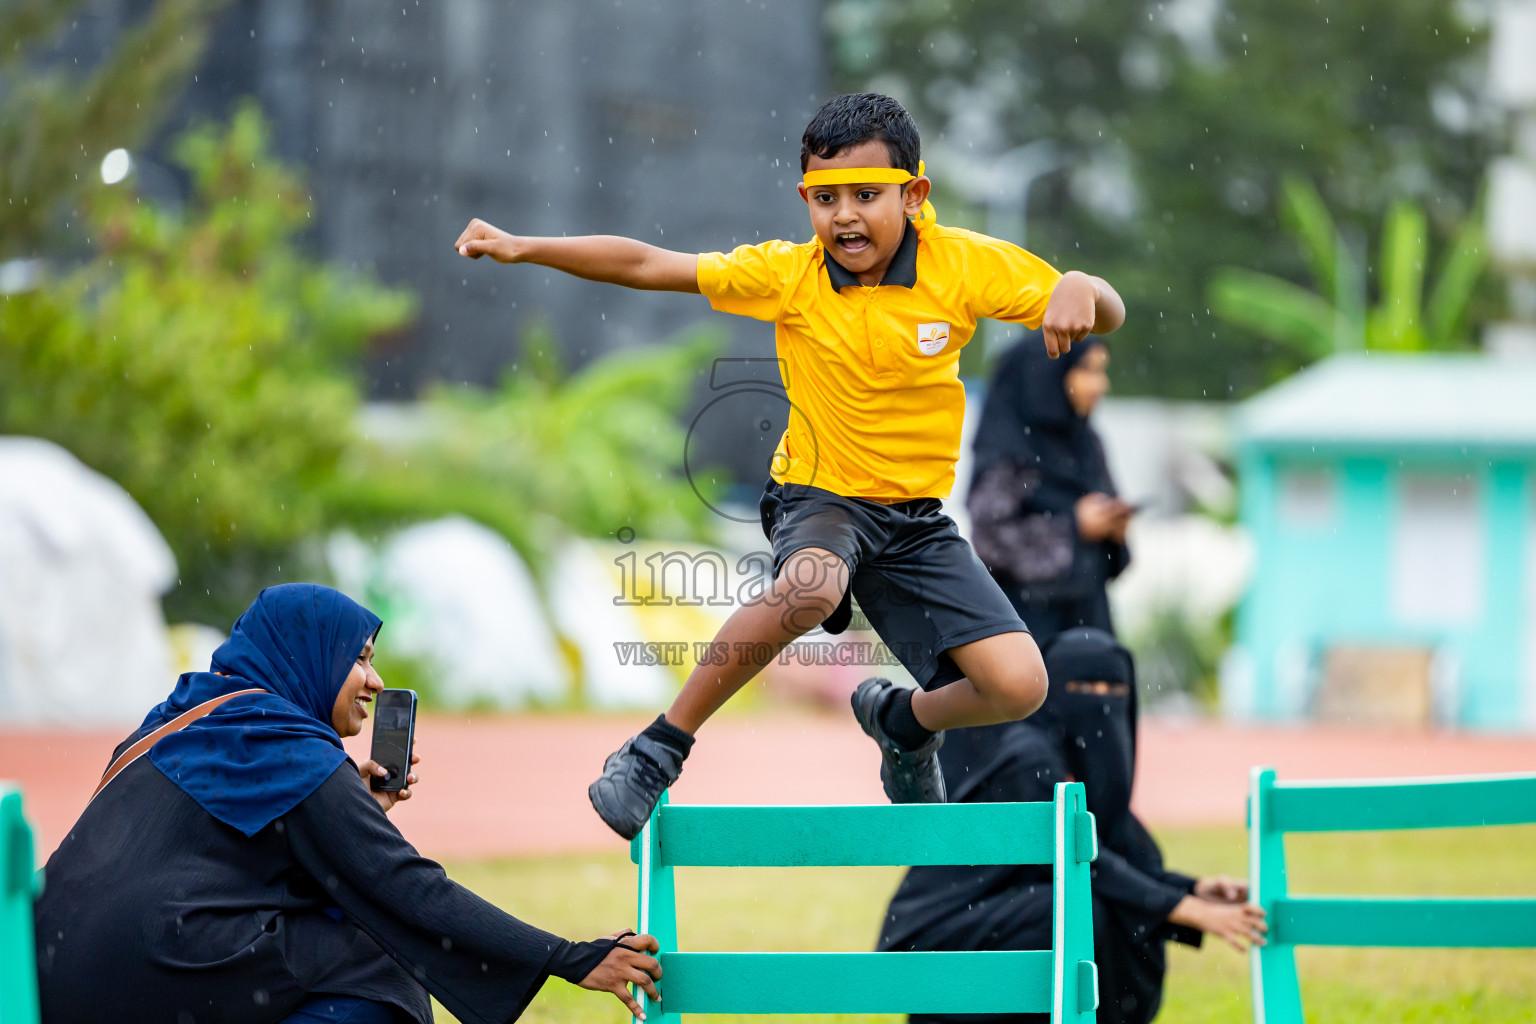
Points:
x=673, y=121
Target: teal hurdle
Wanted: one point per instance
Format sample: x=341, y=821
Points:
x=1275, y=808
x=1062, y=980
x=19, y=885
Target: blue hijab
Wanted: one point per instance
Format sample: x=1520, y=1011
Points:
x=256, y=757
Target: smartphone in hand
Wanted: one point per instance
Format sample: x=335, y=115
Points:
x=394, y=731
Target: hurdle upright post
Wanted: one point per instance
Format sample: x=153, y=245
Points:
x=1272, y=966
x=19, y=886
x=658, y=906
x=1077, y=992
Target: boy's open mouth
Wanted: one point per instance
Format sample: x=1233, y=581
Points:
x=851, y=242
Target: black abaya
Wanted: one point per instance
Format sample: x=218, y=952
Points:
x=156, y=912
x=1035, y=458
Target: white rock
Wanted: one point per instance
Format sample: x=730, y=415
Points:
x=457, y=598
x=82, y=568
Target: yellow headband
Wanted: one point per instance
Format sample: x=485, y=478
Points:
x=871, y=175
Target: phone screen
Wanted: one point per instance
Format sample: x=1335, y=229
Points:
x=394, y=728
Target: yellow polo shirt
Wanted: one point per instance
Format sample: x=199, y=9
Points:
x=872, y=374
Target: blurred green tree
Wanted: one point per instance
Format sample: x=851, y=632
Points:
x=1176, y=124
x=56, y=125
x=201, y=361
x=204, y=362
x=548, y=452
x=209, y=365
x=1336, y=317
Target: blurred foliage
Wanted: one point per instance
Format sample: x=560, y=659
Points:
x=1177, y=654
x=594, y=451
x=55, y=125
x=200, y=360
x=1313, y=324
x=1178, y=124
x=403, y=671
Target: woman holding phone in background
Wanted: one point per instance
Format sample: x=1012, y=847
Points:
x=238, y=869
x=1045, y=518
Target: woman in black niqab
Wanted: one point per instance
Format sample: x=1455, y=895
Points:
x=1085, y=731
x=1045, y=518
x=241, y=872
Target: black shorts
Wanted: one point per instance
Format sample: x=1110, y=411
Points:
x=916, y=579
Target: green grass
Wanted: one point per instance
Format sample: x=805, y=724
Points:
x=840, y=909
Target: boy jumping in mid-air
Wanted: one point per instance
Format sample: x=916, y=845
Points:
x=871, y=315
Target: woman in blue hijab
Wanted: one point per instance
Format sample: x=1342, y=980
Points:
x=235, y=868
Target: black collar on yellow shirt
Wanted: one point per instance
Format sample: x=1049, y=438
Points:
x=902, y=272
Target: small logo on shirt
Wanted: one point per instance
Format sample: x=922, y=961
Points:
x=931, y=338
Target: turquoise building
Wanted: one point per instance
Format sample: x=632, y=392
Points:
x=1391, y=500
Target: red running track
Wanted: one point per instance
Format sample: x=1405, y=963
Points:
x=513, y=785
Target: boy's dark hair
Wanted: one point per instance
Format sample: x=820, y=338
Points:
x=859, y=117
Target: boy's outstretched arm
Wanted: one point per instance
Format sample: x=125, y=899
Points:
x=606, y=258
x=1081, y=305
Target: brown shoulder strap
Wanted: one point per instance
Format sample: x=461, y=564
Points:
x=140, y=748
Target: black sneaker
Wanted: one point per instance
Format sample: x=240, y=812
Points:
x=910, y=776
x=633, y=780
